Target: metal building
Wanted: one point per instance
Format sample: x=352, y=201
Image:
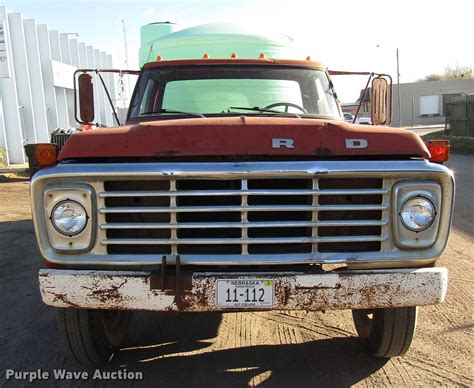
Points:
x=36, y=83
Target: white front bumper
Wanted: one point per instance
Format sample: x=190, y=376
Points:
x=293, y=291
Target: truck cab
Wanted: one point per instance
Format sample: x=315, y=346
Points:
x=236, y=185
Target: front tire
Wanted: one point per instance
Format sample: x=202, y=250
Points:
x=387, y=332
x=93, y=336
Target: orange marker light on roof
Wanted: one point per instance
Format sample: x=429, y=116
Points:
x=205, y=56
x=46, y=154
x=308, y=58
x=234, y=55
x=159, y=58
x=439, y=150
x=261, y=56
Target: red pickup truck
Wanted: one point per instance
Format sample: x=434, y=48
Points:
x=236, y=185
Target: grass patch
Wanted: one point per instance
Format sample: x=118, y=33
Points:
x=460, y=145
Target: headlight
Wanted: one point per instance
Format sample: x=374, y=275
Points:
x=69, y=217
x=417, y=214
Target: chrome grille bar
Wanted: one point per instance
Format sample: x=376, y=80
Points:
x=198, y=193
x=298, y=240
x=281, y=224
x=192, y=209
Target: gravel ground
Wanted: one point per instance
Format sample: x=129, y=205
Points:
x=238, y=349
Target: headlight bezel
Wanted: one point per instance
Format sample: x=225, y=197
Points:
x=55, y=224
x=404, y=237
x=84, y=195
x=429, y=224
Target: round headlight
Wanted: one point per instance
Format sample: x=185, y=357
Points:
x=69, y=217
x=417, y=214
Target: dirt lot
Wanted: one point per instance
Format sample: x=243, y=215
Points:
x=237, y=349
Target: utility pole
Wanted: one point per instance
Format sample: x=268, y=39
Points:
x=398, y=92
x=125, y=43
x=398, y=87
x=126, y=56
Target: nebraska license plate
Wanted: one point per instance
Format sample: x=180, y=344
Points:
x=245, y=293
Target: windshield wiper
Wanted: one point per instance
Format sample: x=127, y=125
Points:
x=174, y=111
x=264, y=110
x=255, y=108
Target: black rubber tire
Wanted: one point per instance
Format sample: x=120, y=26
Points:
x=90, y=336
x=389, y=332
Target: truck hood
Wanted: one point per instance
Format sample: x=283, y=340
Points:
x=243, y=136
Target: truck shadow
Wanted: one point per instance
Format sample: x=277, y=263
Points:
x=171, y=349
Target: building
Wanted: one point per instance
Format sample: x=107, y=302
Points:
x=422, y=103
x=36, y=83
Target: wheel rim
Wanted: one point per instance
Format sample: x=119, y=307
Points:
x=113, y=322
x=364, y=321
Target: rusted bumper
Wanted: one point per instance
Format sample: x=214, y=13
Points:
x=293, y=291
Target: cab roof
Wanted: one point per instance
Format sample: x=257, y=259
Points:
x=235, y=61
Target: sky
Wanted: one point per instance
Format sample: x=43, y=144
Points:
x=360, y=35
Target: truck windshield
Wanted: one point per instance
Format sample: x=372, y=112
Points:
x=219, y=90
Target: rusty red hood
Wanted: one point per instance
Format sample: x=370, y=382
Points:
x=256, y=136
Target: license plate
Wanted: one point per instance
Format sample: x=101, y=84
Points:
x=245, y=293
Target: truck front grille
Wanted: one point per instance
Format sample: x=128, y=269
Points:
x=244, y=216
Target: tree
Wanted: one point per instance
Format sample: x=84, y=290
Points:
x=451, y=73
x=458, y=72
x=433, y=77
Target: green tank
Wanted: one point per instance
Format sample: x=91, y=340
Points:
x=216, y=40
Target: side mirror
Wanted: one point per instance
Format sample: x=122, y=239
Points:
x=86, y=98
x=378, y=100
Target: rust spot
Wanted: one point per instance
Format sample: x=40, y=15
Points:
x=181, y=302
x=167, y=153
x=199, y=299
x=283, y=293
x=107, y=294
x=319, y=287
x=371, y=295
x=323, y=151
x=63, y=298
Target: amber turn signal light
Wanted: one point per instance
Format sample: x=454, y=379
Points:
x=45, y=154
x=439, y=150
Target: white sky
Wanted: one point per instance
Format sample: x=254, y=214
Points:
x=342, y=34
